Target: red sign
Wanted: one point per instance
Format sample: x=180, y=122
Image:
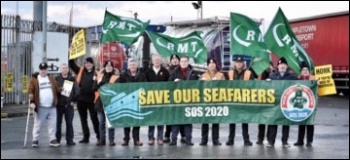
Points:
x=113, y=51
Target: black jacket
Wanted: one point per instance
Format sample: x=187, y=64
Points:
x=63, y=100
x=105, y=80
x=163, y=75
x=126, y=77
x=191, y=74
x=286, y=76
x=86, y=92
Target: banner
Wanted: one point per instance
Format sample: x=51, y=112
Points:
x=246, y=39
x=190, y=45
x=281, y=40
x=190, y=102
x=324, y=75
x=121, y=29
x=78, y=46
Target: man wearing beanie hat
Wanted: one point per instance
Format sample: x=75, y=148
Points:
x=211, y=74
x=85, y=101
x=104, y=77
x=174, y=62
x=43, y=92
x=240, y=73
x=281, y=74
x=305, y=75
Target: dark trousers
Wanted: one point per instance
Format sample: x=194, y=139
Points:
x=175, y=131
x=232, y=133
x=68, y=112
x=168, y=131
x=261, y=132
x=214, y=132
x=309, y=135
x=272, y=133
x=102, y=121
x=135, y=134
x=83, y=108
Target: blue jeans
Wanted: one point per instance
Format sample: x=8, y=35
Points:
x=160, y=132
x=102, y=127
x=175, y=131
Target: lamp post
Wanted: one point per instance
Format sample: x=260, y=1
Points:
x=199, y=7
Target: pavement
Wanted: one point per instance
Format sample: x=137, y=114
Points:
x=331, y=141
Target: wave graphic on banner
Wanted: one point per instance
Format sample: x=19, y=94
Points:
x=124, y=105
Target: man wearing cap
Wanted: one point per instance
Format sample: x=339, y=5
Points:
x=104, y=77
x=305, y=75
x=239, y=72
x=281, y=74
x=66, y=105
x=156, y=73
x=43, y=92
x=174, y=63
x=182, y=73
x=85, y=101
x=132, y=75
x=211, y=74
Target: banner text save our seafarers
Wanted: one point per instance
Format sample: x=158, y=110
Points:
x=207, y=95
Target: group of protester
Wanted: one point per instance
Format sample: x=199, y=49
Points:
x=49, y=103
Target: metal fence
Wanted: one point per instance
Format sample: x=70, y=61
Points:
x=16, y=48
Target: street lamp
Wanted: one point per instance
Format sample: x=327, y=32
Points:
x=199, y=7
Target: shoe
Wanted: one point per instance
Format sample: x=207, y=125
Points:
x=137, y=143
x=160, y=142
x=229, y=143
x=172, y=143
x=269, y=145
x=203, y=143
x=308, y=144
x=84, y=141
x=101, y=143
x=286, y=145
x=248, y=143
x=70, y=143
x=183, y=140
x=166, y=140
x=216, y=143
x=298, y=144
x=35, y=144
x=125, y=143
x=111, y=142
x=189, y=143
x=259, y=142
x=151, y=142
x=54, y=143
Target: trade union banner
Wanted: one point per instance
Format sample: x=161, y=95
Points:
x=190, y=102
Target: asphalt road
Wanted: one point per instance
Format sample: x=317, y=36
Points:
x=331, y=140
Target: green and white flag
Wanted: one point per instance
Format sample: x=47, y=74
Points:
x=281, y=40
x=190, y=45
x=126, y=30
x=247, y=40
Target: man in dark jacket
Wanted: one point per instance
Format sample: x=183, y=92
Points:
x=65, y=104
x=156, y=73
x=281, y=74
x=174, y=63
x=133, y=74
x=182, y=73
x=104, y=77
x=86, y=99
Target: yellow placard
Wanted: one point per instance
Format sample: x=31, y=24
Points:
x=324, y=75
x=78, y=46
x=9, y=82
x=24, y=84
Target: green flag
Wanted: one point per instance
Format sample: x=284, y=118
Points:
x=281, y=40
x=190, y=45
x=126, y=30
x=247, y=40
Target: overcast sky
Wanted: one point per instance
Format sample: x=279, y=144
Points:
x=91, y=12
